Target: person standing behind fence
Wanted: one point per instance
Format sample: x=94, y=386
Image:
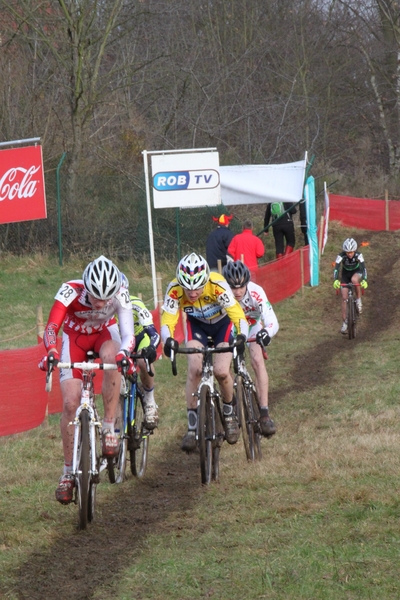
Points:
x=246, y=246
x=282, y=226
x=218, y=242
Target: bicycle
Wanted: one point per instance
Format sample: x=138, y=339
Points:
x=248, y=410
x=210, y=431
x=351, y=309
x=87, y=461
x=129, y=426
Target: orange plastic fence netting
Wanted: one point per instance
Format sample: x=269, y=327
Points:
x=284, y=277
x=24, y=401
x=364, y=213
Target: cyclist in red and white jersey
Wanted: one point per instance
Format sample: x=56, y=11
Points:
x=86, y=310
x=263, y=325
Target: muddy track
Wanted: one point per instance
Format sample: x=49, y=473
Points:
x=80, y=563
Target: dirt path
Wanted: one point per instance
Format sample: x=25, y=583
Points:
x=77, y=565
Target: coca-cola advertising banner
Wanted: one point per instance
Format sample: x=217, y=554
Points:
x=22, y=193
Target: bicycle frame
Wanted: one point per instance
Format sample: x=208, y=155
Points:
x=208, y=436
x=351, y=310
x=84, y=449
x=133, y=436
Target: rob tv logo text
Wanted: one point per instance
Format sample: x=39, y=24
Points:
x=186, y=180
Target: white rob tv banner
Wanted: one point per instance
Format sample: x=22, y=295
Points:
x=185, y=180
x=259, y=184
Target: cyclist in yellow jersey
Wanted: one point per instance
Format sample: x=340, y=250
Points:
x=211, y=311
x=147, y=339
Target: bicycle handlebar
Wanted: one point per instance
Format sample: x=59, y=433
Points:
x=203, y=350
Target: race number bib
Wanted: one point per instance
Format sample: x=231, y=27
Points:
x=66, y=294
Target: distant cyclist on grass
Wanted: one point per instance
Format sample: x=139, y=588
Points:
x=263, y=325
x=353, y=270
x=86, y=309
x=211, y=310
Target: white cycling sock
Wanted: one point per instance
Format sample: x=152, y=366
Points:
x=108, y=425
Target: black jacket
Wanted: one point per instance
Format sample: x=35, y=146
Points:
x=286, y=218
x=217, y=246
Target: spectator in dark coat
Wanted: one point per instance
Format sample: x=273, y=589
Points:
x=218, y=242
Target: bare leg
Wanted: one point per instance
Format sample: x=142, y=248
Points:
x=195, y=362
x=222, y=373
x=261, y=375
x=111, y=380
x=71, y=394
x=345, y=295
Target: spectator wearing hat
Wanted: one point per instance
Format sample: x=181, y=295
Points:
x=218, y=242
x=246, y=246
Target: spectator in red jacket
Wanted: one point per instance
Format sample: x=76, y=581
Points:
x=246, y=245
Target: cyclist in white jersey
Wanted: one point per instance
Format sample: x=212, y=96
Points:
x=263, y=325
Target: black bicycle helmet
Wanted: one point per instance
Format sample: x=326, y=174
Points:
x=236, y=274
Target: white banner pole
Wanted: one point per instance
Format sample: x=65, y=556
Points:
x=151, y=241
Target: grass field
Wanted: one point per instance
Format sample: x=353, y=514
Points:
x=317, y=518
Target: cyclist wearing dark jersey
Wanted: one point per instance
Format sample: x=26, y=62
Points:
x=353, y=270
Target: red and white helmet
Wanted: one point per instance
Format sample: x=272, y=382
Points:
x=193, y=271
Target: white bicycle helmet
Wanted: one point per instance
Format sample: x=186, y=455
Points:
x=124, y=281
x=349, y=245
x=102, y=279
x=193, y=271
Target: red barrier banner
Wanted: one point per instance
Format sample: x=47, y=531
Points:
x=22, y=191
x=284, y=277
x=23, y=398
x=358, y=212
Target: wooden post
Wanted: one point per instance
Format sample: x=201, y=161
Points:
x=242, y=258
x=39, y=323
x=321, y=235
x=219, y=264
x=387, y=224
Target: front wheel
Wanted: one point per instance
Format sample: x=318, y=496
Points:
x=83, y=477
x=255, y=410
x=138, y=438
x=116, y=466
x=205, y=435
x=351, y=318
x=244, y=418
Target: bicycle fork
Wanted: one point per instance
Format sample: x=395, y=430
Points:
x=92, y=439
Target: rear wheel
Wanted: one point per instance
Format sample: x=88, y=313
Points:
x=138, y=439
x=205, y=432
x=83, y=478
